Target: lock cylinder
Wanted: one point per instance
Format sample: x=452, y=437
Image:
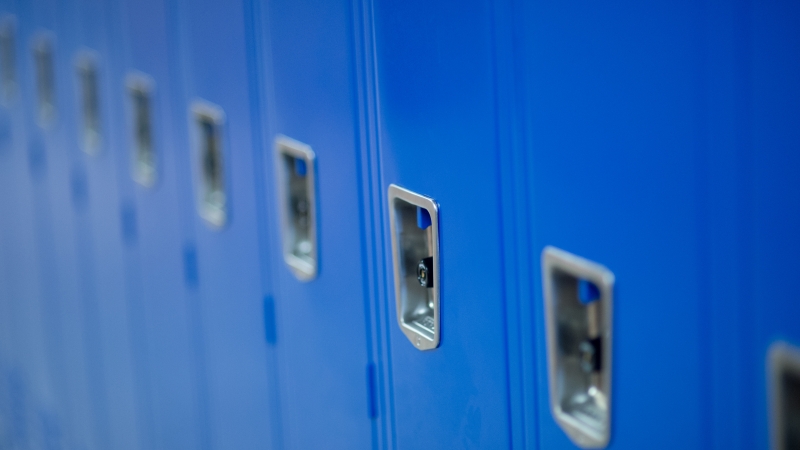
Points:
x=425, y=272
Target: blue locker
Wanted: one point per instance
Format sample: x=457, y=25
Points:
x=750, y=193
x=613, y=110
x=315, y=224
x=218, y=174
x=9, y=26
x=173, y=371
x=326, y=395
x=10, y=165
x=30, y=403
x=90, y=81
x=770, y=218
x=59, y=195
x=438, y=139
x=726, y=273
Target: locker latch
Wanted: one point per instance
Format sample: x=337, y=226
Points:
x=297, y=191
x=143, y=161
x=209, y=156
x=414, y=223
x=578, y=299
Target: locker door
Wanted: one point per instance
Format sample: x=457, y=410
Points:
x=321, y=305
x=10, y=163
x=149, y=153
x=725, y=199
x=438, y=140
x=90, y=115
x=58, y=181
x=217, y=166
x=29, y=401
x=771, y=224
x=613, y=110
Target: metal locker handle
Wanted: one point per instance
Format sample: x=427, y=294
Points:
x=414, y=222
x=295, y=163
x=578, y=296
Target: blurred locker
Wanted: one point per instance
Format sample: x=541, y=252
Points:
x=10, y=122
x=439, y=187
x=326, y=368
x=161, y=262
x=613, y=110
x=59, y=199
x=90, y=113
x=216, y=167
x=28, y=399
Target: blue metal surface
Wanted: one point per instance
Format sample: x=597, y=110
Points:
x=311, y=97
x=437, y=132
x=658, y=139
x=59, y=197
x=170, y=364
x=771, y=217
x=227, y=298
x=108, y=334
x=612, y=110
x=730, y=375
x=29, y=401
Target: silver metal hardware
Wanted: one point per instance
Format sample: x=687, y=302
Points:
x=86, y=66
x=414, y=222
x=212, y=198
x=8, y=59
x=45, y=79
x=783, y=365
x=144, y=160
x=296, y=177
x=578, y=296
